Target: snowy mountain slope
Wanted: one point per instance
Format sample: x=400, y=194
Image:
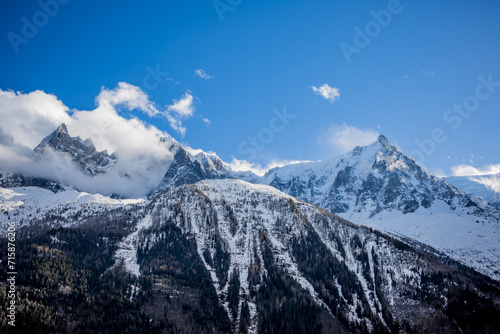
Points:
x=190, y=166
x=12, y=180
x=187, y=169
x=371, y=179
x=242, y=231
x=378, y=168
x=474, y=243
x=379, y=186
x=486, y=187
x=127, y=249
x=82, y=152
x=224, y=256
x=29, y=206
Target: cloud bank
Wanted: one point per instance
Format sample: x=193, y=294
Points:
x=243, y=165
x=491, y=182
x=488, y=176
x=143, y=158
x=466, y=170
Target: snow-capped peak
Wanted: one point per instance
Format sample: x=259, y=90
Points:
x=60, y=134
x=378, y=185
x=82, y=152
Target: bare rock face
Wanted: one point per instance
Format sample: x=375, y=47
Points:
x=371, y=180
x=188, y=168
x=82, y=152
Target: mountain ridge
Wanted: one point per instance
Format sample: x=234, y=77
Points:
x=226, y=255
x=82, y=152
x=375, y=185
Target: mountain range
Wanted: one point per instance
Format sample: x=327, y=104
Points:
x=376, y=185
x=365, y=242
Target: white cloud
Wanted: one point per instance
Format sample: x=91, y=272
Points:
x=127, y=95
x=179, y=110
x=12, y=156
x=195, y=151
x=466, y=170
x=202, y=74
x=490, y=182
x=489, y=175
x=429, y=73
x=27, y=118
x=327, y=92
x=345, y=137
x=132, y=97
x=439, y=172
x=176, y=124
x=243, y=165
x=183, y=107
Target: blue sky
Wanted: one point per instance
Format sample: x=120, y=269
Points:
x=268, y=55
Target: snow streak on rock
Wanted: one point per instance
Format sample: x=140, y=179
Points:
x=127, y=249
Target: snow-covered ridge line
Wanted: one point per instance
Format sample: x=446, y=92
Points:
x=28, y=205
x=375, y=185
